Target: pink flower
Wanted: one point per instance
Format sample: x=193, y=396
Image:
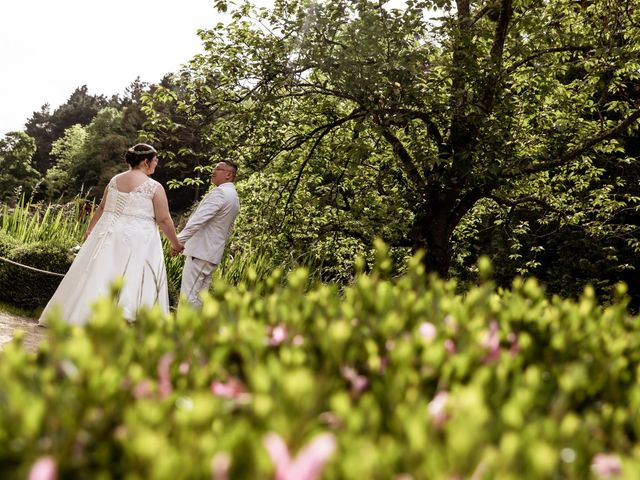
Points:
x=298, y=340
x=233, y=389
x=164, y=379
x=606, y=465
x=277, y=335
x=450, y=346
x=438, y=408
x=307, y=465
x=491, y=342
x=43, y=469
x=142, y=389
x=427, y=331
x=184, y=367
x=358, y=382
x=220, y=464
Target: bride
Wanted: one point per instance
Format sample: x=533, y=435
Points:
x=122, y=240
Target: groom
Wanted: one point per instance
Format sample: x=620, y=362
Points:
x=206, y=233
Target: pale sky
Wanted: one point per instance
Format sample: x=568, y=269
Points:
x=50, y=47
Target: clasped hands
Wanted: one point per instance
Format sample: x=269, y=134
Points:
x=176, y=249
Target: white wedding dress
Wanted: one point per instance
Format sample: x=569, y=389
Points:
x=125, y=242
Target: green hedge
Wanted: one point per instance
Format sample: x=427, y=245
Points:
x=26, y=288
x=405, y=376
x=7, y=242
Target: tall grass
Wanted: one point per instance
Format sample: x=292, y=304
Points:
x=30, y=222
x=252, y=265
x=174, y=271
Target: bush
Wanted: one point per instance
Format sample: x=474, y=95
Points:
x=7, y=242
x=405, y=375
x=26, y=288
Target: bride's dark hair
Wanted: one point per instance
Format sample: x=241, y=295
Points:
x=139, y=153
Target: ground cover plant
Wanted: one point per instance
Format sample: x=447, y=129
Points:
x=287, y=378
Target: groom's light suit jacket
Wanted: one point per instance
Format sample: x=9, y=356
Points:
x=208, y=229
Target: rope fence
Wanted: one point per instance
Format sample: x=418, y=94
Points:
x=32, y=268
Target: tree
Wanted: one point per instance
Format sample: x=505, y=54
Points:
x=46, y=127
x=102, y=154
x=134, y=118
x=335, y=213
x=181, y=114
x=67, y=151
x=87, y=157
x=17, y=175
x=508, y=101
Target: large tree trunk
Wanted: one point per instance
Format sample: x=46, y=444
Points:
x=432, y=229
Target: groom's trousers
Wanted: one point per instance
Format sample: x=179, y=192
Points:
x=196, y=277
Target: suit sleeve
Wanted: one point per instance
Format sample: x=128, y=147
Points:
x=208, y=208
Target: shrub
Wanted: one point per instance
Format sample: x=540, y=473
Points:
x=7, y=242
x=29, y=289
x=405, y=375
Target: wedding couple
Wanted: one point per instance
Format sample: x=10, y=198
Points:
x=122, y=240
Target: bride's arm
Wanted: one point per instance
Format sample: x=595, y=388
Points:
x=163, y=218
x=97, y=213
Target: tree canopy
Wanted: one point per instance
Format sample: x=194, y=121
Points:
x=447, y=109
x=17, y=175
x=46, y=127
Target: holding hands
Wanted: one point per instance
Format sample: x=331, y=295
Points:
x=176, y=249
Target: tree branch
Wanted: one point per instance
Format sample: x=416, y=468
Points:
x=481, y=13
x=299, y=140
x=405, y=158
x=323, y=130
x=301, y=170
x=432, y=128
x=521, y=200
x=495, y=57
x=570, y=48
x=500, y=34
x=315, y=88
x=463, y=8
x=465, y=204
x=579, y=150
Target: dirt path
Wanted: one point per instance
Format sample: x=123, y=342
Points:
x=10, y=323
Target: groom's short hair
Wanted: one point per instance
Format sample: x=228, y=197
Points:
x=231, y=163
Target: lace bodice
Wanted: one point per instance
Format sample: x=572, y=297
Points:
x=137, y=203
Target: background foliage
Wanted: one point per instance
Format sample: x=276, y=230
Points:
x=440, y=119
x=463, y=128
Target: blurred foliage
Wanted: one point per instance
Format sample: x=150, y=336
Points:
x=411, y=379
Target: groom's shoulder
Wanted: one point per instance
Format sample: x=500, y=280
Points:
x=226, y=189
